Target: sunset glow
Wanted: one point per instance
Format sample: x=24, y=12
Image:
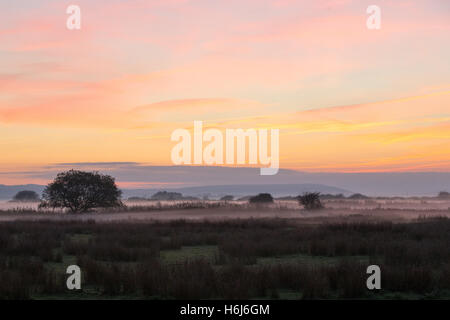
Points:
x=345, y=98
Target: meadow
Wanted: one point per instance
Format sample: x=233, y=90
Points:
x=253, y=254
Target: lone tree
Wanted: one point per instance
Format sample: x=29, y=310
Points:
x=310, y=200
x=262, y=198
x=80, y=191
x=26, y=196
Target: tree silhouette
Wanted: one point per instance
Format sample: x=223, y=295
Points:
x=262, y=198
x=80, y=191
x=444, y=194
x=310, y=200
x=26, y=195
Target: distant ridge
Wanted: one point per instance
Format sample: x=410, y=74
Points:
x=213, y=192
x=191, y=179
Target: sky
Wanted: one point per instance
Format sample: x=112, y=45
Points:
x=345, y=98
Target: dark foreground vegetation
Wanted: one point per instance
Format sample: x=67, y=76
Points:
x=232, y=259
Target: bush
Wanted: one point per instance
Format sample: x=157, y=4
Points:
x=26, y=195
x=262, y=198
x=444, y=194
x=164, y=195
x=310, y=200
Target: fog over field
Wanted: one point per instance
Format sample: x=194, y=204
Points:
x=367, y=210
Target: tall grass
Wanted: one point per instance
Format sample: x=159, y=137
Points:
x=126, y=258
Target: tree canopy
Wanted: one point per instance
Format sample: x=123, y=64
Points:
x=310, y=200
x=262, y=198
x=80, y=191
x=444, y=194
x=26, y=195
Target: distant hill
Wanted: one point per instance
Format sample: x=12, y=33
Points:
x=220, y=181
x=211, y=192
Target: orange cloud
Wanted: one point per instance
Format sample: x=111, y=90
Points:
x=118, y=87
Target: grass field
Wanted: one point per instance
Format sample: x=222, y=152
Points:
x=265, y=258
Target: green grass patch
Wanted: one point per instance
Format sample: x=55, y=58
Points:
x=307, y=259
x=189, y=253
x=81, y=237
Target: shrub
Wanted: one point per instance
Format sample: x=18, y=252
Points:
x=310, y=200
x=444, y=194
x=164, y=195
x=262, y=198
x=26, y=195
